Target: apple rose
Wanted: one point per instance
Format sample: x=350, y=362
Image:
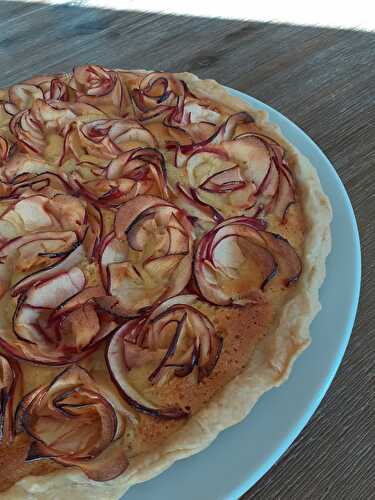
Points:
x=102, y=88
x=148, y=256
x=136, y=172
x=41, y=228
x=22, y=96
x=4, y=150
x=93, y=144
x=10, y=378
x=40, y=130
x=243, y=174
x=157, y=94
x=37, y=210
x=72, y=423
x=185, y=118
x=176, y=340
x=56, y=320
x=199, y=119
x=236, y=260
x=109, y=138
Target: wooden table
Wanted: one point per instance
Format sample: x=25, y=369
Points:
x=322, y=79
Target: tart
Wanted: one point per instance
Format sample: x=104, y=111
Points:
x=161, y=250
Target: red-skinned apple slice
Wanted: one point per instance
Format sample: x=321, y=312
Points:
x=28, y=214
x=285, y=194
x=77, y=300
x=73, y=110
x=37, y=183
x=70, y=260
x=195, y=208
x=4, y=150
x=31, y=251
x=214, y=155
x=68, y=237
x=50, y=294
x=288, y=262
x=94, y=231
x=236, y=260
x=28, y=132
x=21, y=164
x=225, y=132
x=223, y=182
x=110, y=251
x=10, y=380
x=70, y=421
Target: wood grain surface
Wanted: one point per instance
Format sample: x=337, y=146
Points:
x=322, y=79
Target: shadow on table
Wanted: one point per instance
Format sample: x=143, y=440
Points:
x=36, y=38
x=266, y=60
x=260, y=58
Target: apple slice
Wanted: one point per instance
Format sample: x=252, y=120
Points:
x=10, y=379
x=70, y=260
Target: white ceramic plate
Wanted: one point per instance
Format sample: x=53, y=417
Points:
x=243, y=453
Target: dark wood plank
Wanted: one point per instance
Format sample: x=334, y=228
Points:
x=323, y=79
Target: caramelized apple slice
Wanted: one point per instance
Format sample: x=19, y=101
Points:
x=10, y=379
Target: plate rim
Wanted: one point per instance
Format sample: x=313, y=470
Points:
x=243, y=487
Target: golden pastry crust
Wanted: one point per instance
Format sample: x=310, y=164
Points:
x=273, y=355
